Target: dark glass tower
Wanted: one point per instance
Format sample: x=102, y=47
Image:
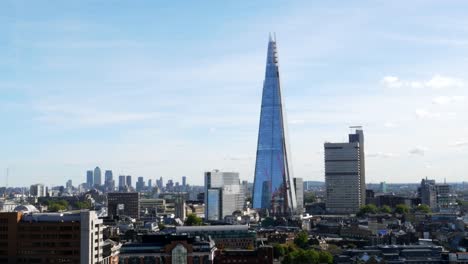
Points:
x=273, y=185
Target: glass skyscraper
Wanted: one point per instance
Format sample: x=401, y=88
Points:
x=273, y=186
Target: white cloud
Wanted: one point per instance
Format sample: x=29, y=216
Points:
x=76, y=115
x=441, y=82
x=436, y=82
x=390, y=124
x=459, y=143
x=445, y=100
x=418, y=151
x=381, y=155
x=297, y=122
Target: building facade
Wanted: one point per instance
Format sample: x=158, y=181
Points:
x=97, y=177
x=109, y=181
x=37, y=190
x=345, y=175
x=299, y=186
x=223, y=194
x=72, y=237
x=89, y=179
x=273, y=184
x=124, y=203
x=158, y=249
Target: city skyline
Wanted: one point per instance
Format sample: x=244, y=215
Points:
x=83, y=89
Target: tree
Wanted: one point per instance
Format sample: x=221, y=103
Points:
x=278, y=251
x=193, y=220
x=325, y=257
x=423, y=208
x=385, y=209
x=402, y=209
x=302, y=239
x=309, y=197
x=83, y=205
x=367, y=209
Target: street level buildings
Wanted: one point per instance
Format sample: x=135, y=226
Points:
x=273, y=184
x=345, y=174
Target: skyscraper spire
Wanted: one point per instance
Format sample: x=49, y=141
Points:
x=273, y=185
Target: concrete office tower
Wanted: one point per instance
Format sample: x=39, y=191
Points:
x=129, y=181
x=38, y=190
x=428, y=193
x=150, y=183
x=273, y=184
x=299, y=185
x=184, y=181
x=97, y=177
x=345, y=174
x=89, y=179
x=223, y=194
x=140, y=184
x=180, y=207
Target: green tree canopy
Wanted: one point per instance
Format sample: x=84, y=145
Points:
x=368, y=209
x=424, y=208
x=309, y=197
x=302, y=239
x=402, y=209
x=385, y=209
x=193, y=220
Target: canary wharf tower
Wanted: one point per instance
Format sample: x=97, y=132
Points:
x=273, y=185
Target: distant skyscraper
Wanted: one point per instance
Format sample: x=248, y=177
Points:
x=383, y=187
x=345, y=174
x=273, y=186
x=223, y=194
x=69, y=184
x=122, y=183
x=299, y=185
x=97, y=176
x=184, y=181
x=150, y=183
x=140, y=184
x=129, y=181
x=89, y=179
x=109, y=180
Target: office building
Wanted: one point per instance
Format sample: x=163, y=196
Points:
x=428, y=193
x=345, y=174
x=150, y=183
x=89, y=179
x=38, y=190
x=273, y=183
x=180, y=205
x=69, y=184
x=70, y=237
x=119, y=203
x=383, y=187
x=129, y=181
x=97, y=177
x=299, y=185
x=109, y=182
x=184, y=181
x=140, y=184
x=224, y=194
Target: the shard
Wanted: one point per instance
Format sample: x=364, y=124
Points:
x=273, y=185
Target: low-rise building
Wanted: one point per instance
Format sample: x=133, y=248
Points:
x=224, y=236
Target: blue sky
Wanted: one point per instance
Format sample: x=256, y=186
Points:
x=169, y=89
